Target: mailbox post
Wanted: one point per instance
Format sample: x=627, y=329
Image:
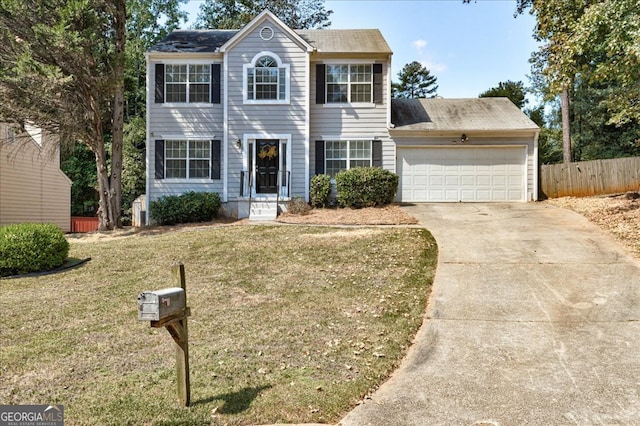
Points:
x=168, y=308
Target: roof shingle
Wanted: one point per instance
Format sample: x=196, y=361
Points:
x=484, y=114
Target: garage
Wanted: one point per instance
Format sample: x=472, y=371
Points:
x=464, y=150
x=462, y=174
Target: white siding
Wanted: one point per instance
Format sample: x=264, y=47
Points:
x=32, y=186
x=358, y=122
x=267, y=119
x=180, y=121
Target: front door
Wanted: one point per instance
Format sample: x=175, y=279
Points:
x=267, y=153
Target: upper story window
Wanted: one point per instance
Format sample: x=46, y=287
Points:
x=187, y=83
x=266, y=80
x=351, y=83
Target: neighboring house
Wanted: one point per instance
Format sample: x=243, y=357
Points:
x=32, y=186
x=254, y=113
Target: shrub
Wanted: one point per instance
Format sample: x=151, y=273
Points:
x=366, y=187
x=31, y=247
x=320, y=190
x=298, y=206
x=186, y=208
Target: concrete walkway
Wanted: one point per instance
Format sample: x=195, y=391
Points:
x=533, y=319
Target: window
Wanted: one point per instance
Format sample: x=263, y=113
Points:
x=266, y=80
x=342, y=155
x=349, y=83
x=187, y=82
x=187, y=159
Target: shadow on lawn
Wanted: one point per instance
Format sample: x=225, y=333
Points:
x=235, y=402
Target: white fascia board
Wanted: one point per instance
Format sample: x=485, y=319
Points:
x=256, y=22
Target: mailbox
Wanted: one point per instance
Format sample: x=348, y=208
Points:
x=159, y=304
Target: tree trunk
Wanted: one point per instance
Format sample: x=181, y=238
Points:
x=105, y=211
x=115, y=179
x=566, y=126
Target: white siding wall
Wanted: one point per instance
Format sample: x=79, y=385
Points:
x=351, y=122
x=32, y=186
x=180, y=121
x=267, y=119
x=480, y=141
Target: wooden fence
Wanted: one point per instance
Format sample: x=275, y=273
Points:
x=84, y=224
x=587, y=178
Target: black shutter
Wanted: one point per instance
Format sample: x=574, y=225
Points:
x=319, y=157
x=215, y=83
x=159, y=83
x=320, y=81
x=377, y=83
x=159, y=159
x=215, y=159
x=376, y=158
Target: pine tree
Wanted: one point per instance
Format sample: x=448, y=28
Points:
x=416, y=81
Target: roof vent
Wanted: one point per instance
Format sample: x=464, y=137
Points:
x=266, y=33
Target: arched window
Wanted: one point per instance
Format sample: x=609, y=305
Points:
x=267, y=79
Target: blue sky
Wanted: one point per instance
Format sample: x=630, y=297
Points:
x=468, y=47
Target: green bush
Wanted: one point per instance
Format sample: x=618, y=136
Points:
x=31, y=247
x=366, y=187
x=320, y=190
x=186, y=208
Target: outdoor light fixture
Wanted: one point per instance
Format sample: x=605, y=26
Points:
x=239, y=143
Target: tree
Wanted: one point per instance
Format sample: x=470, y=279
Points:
x=592, y=43
x=61, y=69
x=234, y=14
x=515, y=91
x=416, y=81
x=148, y=21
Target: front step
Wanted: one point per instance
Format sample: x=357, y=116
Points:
x=263, y=210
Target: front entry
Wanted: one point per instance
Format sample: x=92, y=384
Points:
x=267, y=161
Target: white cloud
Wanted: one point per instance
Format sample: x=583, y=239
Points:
x=419, y=44
x=427, y=58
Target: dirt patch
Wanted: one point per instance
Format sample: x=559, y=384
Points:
x=385, y=215
x=616, y=214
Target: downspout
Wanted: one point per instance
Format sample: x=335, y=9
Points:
x=536, y=168
x=148, y=141
x=225, y=124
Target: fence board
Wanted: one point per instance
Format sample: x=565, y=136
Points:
x=585, y=178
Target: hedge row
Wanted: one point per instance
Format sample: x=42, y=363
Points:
x=186, y=208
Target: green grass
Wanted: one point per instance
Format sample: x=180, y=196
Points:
x=289, y=324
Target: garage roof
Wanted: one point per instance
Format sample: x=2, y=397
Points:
x=484, y=114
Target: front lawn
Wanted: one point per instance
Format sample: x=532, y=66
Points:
x=289, y=324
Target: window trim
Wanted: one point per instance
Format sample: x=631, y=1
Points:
x=348, y=150
x=287, y=81
x=206, y=179
x=162, y=100
x=349, y=84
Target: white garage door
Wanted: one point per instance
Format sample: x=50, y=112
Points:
x=461, y=174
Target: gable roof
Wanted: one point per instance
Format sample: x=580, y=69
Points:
x=480, y=114
x=323, y=41
x=264, y=16
x=346, y=41
x=193, y=41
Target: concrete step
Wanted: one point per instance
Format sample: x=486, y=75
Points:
x=263, y=210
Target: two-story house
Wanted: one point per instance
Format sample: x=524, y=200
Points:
x=254, y=113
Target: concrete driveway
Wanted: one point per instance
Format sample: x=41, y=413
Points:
x=533, y=319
